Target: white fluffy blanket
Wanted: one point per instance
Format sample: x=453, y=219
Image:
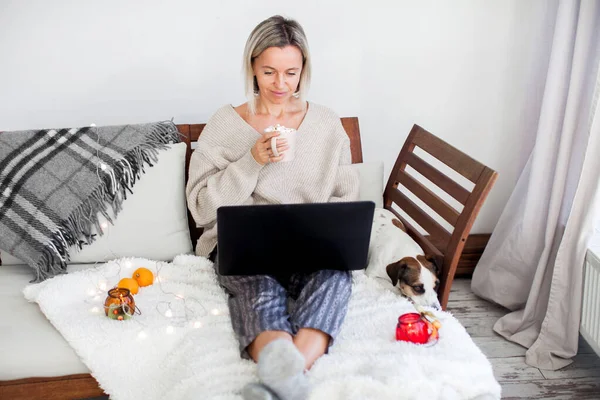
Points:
x=182, y=345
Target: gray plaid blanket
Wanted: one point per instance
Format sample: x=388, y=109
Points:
x=54, y=182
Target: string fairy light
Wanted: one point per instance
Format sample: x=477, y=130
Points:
x=179, y=311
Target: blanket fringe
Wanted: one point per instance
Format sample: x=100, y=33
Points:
x=116, y=181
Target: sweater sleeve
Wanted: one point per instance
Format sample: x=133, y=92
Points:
x=347, y=182
x=213, y=182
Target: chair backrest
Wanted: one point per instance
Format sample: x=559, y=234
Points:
x=446, y=245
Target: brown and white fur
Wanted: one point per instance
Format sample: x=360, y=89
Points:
x=396, y=258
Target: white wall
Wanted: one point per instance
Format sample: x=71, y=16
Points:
x=470, y=71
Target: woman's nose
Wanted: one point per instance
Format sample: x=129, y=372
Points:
x=280, y=81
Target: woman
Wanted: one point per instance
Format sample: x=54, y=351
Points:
x=234, y=165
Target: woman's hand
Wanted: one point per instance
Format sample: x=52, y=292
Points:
x=262, y=152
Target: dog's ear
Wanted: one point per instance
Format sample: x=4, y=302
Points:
x=396, y=270
x=434, y=262
x=399, y=224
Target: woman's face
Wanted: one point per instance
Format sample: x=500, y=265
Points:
x=277, y=72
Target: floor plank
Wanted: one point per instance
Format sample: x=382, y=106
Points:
x=583, y=366
x=559, y=389
x=461, y=290
x=513, y=369
x=478, y=327
x=584, y=347
x=498, y=347
x=477, y=316
x=475, y=309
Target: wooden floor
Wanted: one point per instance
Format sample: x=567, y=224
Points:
x=580, y=380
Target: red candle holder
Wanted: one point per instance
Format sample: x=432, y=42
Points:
x=412, y=328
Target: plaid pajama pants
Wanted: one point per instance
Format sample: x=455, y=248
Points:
x=261, y=303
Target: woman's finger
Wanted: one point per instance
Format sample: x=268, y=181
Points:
x=267, y=136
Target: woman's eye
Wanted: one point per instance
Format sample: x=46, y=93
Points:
x=268, y=73
x=291, y=73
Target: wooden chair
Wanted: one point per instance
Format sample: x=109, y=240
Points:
x=444, y=245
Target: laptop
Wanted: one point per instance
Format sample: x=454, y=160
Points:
x=283, y=239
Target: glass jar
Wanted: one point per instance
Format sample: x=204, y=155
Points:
x=412, y=328
x=119, y=304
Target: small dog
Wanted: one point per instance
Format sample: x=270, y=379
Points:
x=396, y=258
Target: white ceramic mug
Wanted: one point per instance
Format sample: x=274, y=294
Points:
x=284, y=133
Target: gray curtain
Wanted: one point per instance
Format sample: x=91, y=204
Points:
x=533, y=264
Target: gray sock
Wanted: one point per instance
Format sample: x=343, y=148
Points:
x=281, y=368
x=256, y=391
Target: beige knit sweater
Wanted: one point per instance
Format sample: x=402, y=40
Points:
x=224, y=172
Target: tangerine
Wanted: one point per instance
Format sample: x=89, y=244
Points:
x=129, y=283
x=143, y=276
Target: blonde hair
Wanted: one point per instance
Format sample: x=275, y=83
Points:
x=276, y=31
